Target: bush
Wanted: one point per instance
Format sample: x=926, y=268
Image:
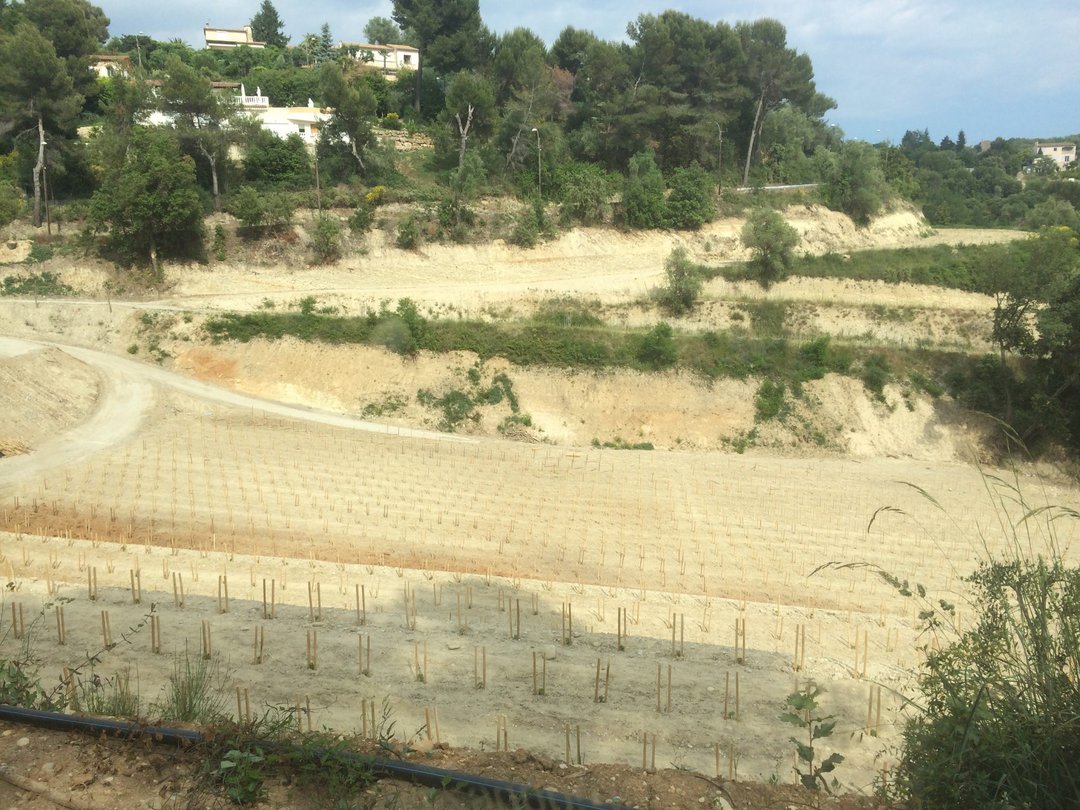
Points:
x=690, y=203
x=408, y=234
x=875, y=374
x=772, y=242
x=643, y=193
x=1000, y=719
x=584, y=193
x=857, y=185
x=684, y=282
x=12, y=202
x=657, y=347
x=326, y=239
x=769, y=402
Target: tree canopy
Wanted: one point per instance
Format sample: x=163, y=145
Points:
x=267, y=26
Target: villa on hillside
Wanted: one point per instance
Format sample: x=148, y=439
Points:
x=1063, y=154
x=283, y=121
x=225, y=38
x=387, y=59
x=107, y=65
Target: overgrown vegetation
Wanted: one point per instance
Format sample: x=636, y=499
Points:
x=996, y=721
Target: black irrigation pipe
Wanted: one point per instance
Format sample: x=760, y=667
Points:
x=510, y=792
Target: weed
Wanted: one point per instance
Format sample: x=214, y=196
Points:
x=770, y=402
x=241, y=775
x=804, y=705
x=110, y=697
x=619, y=443
x=390, y=404
x=195, y=691
x=875, y=374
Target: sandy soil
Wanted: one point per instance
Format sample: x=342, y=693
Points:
x=151, y=492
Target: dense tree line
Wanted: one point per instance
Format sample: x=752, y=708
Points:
x=657, y=122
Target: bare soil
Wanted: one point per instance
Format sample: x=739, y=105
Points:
x=284, y=475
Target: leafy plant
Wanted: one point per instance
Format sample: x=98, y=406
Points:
x=41, y=284
x=999, y=722
x=326, y=239
x=241, y=774
x=684, y=282
x=804, y=705
x=772, y=242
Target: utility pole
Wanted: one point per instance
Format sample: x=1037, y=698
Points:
x=719, y=156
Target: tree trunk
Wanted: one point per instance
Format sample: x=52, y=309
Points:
x=356, y=154
x=153, y=258
x=753, y=136
x=419, y=79
x=38, y=167
x=212, y=160
x=463, y=131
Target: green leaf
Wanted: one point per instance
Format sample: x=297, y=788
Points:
x=829, y=764
x=823, y=730
x=793, y=719
x=806, y=753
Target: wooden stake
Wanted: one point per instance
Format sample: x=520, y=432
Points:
x=207, y=648
x=312, y=649
x=61, y=634
x=257, y=646
x=736, y=697
x=106, y=629
x=155, y=634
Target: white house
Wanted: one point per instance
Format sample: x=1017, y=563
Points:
x=283, y=121
x=387, y=59
x=106, y=65
x=225, y=38
x=1063, y=154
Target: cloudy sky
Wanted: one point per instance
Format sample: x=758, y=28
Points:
x=1008, y=68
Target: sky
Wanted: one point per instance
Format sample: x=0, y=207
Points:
x=992, y=68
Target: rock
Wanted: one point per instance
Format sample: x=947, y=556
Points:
x=23, y=742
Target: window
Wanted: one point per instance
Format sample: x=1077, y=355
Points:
x=407, y=59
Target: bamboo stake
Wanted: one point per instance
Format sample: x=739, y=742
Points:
x=155, y=635
x=106, y=629
x=312, y=649
x=257, y=646
x=61, y=635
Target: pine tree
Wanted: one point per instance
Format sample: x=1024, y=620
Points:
x=266, y=26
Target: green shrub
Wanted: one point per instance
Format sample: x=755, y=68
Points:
x=772, y=242
x=584, y=193
x=326, y=239
x=12, y=202
x=999, y=724
x=408, y=234
x=219, y=243
x=643, y=193
x=690, y=203
x=769, y=402
x=875, y=374
x=656, y=349
x=46, y=284
x=684, y=282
